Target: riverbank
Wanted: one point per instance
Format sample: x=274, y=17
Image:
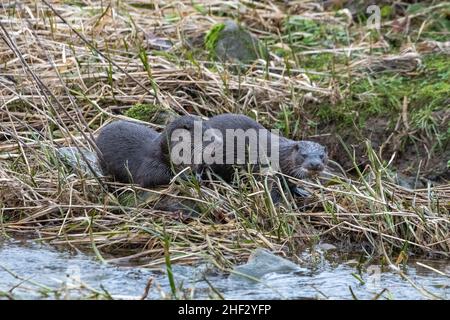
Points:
x=377, y=99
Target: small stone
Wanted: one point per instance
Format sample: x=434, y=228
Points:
x=408, y=182
x=75, y=160
x=262, y=262
x=231, y=42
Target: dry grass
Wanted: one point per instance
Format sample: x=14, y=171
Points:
x=61, y=80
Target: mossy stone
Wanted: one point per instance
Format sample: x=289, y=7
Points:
x=151, y=113
x=74, y=160
x=231, y=42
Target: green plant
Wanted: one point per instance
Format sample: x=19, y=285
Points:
x=142, y=112
x=212, y=36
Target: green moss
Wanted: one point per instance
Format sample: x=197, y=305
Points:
x=366, y=98
x=433, y=25
x=436, y=92
x=141, y=111
x=212, y=36
x=387, y=11
x=324, y=62
x=298, y=30
x=151, y=113
x=439, y=65
x=432, y=87
x=382, y=97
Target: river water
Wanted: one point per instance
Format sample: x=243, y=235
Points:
x=38, y=271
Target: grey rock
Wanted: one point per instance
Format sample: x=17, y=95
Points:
x=235, y=44
x=409, y=182
x=262, y=262
x=163, y=117
x=72, y=157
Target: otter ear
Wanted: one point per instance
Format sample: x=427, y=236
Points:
x=325, y=149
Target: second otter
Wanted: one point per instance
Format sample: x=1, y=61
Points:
x=299, y=159
x=135, y=153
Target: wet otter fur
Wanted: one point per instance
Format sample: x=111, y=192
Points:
x=298, y=159
x=135, y=153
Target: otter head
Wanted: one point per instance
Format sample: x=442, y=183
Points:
x=182, y=143
x=307, y=159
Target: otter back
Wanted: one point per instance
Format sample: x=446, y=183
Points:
x=241, y=141
x=130, y=151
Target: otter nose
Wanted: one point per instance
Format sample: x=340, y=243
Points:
x=315, y=166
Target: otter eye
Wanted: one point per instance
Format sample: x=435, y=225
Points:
x=322, y=156
x=304, y=155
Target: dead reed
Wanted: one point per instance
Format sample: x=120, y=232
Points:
x=67, y=68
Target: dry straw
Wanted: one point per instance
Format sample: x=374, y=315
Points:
x=67, y=68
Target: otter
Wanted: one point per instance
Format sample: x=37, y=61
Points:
x=135, y=153
x=298, y=159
